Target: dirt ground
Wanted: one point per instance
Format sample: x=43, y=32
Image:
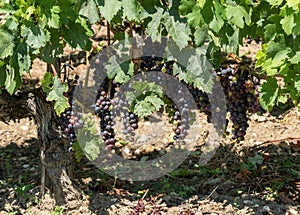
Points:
x=260, y=175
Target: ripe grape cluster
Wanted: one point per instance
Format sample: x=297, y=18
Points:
x=130, y=120
x=68, y=120
x=241, y=97
x=103, y=106
x=234, y=87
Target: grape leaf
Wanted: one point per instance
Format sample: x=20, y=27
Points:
x=260, y=58
x=296, y=58
x=56, y=95
x=275, y=2
x=77, y=36
x=217, y=23
x=115, y=70
x=89, y=143
x=269, y=93
x=199, y=72
x=47, y=82
x=36, y=37
x=237, y=14
x=89, y=10
x=53, y=49
x=200, y=35
x=6, y=44
x=287, y=24
x=53, y=17
x=270, y=31
x=296, y=29
x=292, y=3
x=110, y=9
x=194, y=18
x=155, y=101
x=11, y=24
x=154, y=26
x=10, y=83
x=179, y=31
x=279, y=58
x=233, y=42
x=131, y=10
x=21, y=59
x=269, y=68
x=78, y=151
x=297, y=83
x=186, y=6
x=143, y=109
x=142, y=87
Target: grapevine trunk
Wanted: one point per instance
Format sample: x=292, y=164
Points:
x=56, y=161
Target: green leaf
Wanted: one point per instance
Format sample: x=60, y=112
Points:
x=296, y=58
x=57, y=95
x=296, y=29
x=21, y=59
x=90, y=143
x=36, y=37
x=6, y=44
x=200, y=35
x=53, y=49
x=195, y=18
x=269, y=93
x=275, y=2
x=89, y=10
x=217, y=23
x=110, y=9
x=116, y=72
x=270, y=31
x=233, y=42
x=178, y=31
x=53, y=17
x=186, y=6
x=155, y=101
x=143, y=109
x=131, y=10
x=297, y=83
x=154, y=26
x=47, y=82
x=214, y=38
x=199, y=73
x=279, y=58
x=260, y=58
x=269, y=68
x=76, y=36
x=237, y=15
x=10, y=83
x=78, y=151
x=287, y=24
x=283, y=99
x=292, y=3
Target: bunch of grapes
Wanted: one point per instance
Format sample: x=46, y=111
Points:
x=252, y=89
x=103, y=106
x=130, y=122
x=233, y=83
x=68, y=120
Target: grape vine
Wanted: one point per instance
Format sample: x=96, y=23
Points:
x=41, y=29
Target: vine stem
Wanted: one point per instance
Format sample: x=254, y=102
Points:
x=108, y=33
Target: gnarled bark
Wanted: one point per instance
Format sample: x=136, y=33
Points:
x=57, y=162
